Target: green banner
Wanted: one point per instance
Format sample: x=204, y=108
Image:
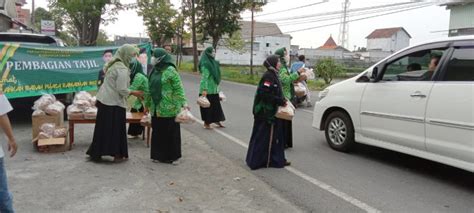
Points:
x=28, y=70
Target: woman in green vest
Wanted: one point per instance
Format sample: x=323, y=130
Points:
x=209, y=87
x=287, y=80
x=165, y=101
x=110, y=132
x=139, y=82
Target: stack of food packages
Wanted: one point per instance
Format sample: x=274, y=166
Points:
x=47, y=132
x=83, y=106
x=47, y=105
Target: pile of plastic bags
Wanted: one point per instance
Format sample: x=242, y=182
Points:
x=47, y=105
x=83, y=106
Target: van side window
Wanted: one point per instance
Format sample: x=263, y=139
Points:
x=417, y=66
x=461, y=65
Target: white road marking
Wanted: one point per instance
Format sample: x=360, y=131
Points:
x=307, y=111
x=308, y=178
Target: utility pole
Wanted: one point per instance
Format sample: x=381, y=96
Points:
x=193, y=23
x=252, y=38
x=344, y=28
x=33, y=14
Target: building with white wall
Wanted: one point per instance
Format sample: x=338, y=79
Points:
x=461, y=21
x=383, y=42
x=268, y=38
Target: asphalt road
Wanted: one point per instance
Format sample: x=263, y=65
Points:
x=369, y=179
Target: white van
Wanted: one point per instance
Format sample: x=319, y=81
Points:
x=404, y=104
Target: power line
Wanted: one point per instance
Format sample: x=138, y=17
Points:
x=318, y=19
x=294, y=8
x=353, y=14
x=338, y=12
x=359, y=19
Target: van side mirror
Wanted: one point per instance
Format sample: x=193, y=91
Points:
x=375, y=73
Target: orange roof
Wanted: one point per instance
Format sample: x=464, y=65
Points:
x=386, y=33
x=329, y=45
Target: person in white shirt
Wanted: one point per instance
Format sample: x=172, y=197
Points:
x=6, y=201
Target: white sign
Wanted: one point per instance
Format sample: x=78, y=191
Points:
x=48, y=27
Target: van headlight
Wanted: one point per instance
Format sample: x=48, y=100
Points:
x=323, y=94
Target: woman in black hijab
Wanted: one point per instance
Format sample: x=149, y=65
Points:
x=266, y=147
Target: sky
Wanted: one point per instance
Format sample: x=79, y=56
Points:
x=422, y=24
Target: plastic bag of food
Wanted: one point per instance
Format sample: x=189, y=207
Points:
x=286, y=112
x=309, y=73
x=185, y=117
x=83, y=95
x=43, y=102
x=55, y=108
x=146, y=120
x=300, y=89
x=38, y=112
x=222, y=96
x=90, y=113
x=203, y=102
x=93, y=101
x=71, y=109
x=48, y=128
x=82, y=104
x=60, y=133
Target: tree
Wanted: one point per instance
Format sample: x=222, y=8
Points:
x=159, y=18
x=328, y=69
x=61, y=32
x=217, y=18
x=235, y=42
x=83, y=17
x=103, y=39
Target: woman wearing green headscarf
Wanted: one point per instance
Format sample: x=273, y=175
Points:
x=139, y=82
x=110, y=133
x=209, y=87
x=166, y=99
x=287, y=80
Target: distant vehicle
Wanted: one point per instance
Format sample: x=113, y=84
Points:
x=33, y=39
x=428, y=115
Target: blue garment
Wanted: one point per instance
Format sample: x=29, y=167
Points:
x=259, y=153
x=6, y=201
x=296, y=66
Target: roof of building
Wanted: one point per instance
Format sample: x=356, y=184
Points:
x=330, y=44
x=386, y=33
x=260, y=29
x=454, y=2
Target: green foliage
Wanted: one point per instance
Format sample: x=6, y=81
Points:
x=82, y=18
x=103, y=39
x=235, y=42
x=160, y=19
x=328, y=69
x=216, y=18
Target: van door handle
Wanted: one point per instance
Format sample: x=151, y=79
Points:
x=417, y=95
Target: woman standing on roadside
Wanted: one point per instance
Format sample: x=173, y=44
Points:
x=166, y=99
x=209, y=87
x=139, y=82
x=110, y=133
x=287, y=80
x=266, y=147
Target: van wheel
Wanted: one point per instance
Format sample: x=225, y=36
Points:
x=339, y=131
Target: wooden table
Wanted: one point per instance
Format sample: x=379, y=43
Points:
x=132, y=118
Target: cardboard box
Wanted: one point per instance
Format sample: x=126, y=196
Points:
x=52, y=145
x=37, y=121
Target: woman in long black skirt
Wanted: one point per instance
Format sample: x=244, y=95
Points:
x=209, y=87
x=110, y=136
x=266, y=147
x=166, y=100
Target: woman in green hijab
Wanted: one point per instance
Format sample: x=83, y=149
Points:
x=287, y=80
x=209, y=87
x=110, y=133
x=166, y=99
x=139, y=82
